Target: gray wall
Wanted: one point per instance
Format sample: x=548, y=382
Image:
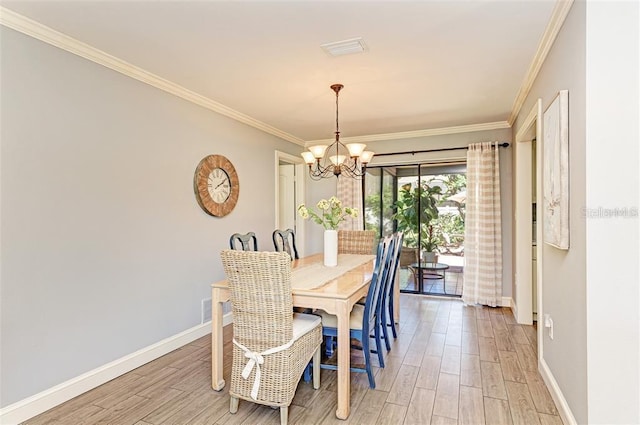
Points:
x=564, y=272
x=463, y=140
x=104, y=248
x=316, y=190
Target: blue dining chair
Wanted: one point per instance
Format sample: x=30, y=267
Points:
x=385, y=313
x=363, y=318
x=243, y=242
x=380, y=332
x=285, y=240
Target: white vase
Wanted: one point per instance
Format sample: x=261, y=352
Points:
x=330, y=248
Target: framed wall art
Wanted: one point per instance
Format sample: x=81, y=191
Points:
x=556, y=171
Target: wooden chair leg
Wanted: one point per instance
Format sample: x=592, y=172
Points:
x=233, y=405
x=284, y=415
x=316, y=368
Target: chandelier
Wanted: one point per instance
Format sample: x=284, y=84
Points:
x=337, y=159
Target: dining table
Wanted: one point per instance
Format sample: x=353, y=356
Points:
x=315, y=286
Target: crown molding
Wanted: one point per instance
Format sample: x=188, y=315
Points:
x=558, y=16
x=34, y=29
x=417, y=133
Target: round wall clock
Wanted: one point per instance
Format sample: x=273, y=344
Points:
x=216, y=185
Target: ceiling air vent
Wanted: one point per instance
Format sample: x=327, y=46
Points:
x=345, y=47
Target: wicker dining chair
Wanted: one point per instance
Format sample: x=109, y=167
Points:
x=244, y=242
x=285, y=240
x=356, y=241
x=271, y=345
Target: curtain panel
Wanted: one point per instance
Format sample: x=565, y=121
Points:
x=483, y=235
x=350, y=193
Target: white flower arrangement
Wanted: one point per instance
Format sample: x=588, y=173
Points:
x=331, y=213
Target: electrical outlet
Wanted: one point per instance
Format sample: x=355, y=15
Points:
x=206, y=310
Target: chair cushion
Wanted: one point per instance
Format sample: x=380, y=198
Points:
x=355, y=320
x=303, y=323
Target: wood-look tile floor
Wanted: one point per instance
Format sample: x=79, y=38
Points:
x=451, y=364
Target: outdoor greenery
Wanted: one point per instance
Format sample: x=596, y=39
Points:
x=450, y=228
x=455, y=184
x=442, y=200
x=418, y=205
x=380, y=187
x=372, y=209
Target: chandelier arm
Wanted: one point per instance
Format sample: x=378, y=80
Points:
x=355, y=172
x=320, y=171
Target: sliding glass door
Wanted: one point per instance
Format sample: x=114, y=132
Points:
x=425, y=202
x=379, y=198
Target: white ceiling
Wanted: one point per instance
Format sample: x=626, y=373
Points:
x=429, y=64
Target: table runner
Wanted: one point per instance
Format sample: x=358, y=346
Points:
x=317, y=274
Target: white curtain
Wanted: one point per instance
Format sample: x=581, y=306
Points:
x=350, y=193
x=483, y=235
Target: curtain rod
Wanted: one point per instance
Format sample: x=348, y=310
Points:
x=502, y=145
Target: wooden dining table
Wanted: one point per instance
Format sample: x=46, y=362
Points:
x=313, y=285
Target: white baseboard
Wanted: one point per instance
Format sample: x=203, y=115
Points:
x=556, y=394
x=45, y=400
x=506, y=302
x=227, y=319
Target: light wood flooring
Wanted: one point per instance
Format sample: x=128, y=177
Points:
x=451, y=364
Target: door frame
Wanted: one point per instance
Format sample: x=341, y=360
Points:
x=283, y=157
x=523, y=217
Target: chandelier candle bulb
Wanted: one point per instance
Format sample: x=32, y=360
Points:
x=366, y=157
x=318, y=150
x=308, y=157
x=337, y=159
x=356, y=149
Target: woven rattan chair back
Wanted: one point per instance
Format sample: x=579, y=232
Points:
x=244, y=242
x=261, y=303
x=356, y=241
x=285, y=240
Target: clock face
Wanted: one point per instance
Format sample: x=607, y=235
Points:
x=219, y=185
x=216, y=185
